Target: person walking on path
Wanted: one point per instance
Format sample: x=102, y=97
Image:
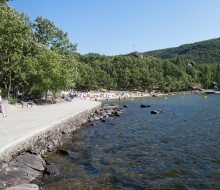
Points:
x=2, y=110
x=2, y=107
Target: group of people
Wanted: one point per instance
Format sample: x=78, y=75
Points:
x=96, y=95
x=2, y=107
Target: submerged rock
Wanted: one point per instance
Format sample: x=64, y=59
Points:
x=64, y=152
x=156, y=111
x=53, y=170
x=145, y=106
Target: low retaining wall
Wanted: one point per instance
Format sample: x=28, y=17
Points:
x=46, y=139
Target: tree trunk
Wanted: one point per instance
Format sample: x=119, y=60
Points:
x=46, y=96
x=8, y=87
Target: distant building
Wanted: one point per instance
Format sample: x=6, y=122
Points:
x=136, y=54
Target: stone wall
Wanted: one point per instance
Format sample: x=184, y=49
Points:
x=47, y=139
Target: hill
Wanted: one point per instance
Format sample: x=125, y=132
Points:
x=202, y=52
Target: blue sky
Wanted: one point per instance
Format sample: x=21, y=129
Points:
x=114, y=27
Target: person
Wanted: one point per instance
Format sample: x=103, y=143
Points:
x=2, y=108
x=119, y=98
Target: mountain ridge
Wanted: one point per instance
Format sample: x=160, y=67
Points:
x=207, y=51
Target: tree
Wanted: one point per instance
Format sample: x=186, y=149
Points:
x=55, y=39
x=45, y=72
x=15, y=43
x=4, y=2
x=206, y=76
x=217, y=75
x=87, y=78
x=45, y=32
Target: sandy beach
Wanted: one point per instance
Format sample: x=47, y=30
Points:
x=108, y=95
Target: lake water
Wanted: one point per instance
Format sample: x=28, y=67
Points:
x=176, y=149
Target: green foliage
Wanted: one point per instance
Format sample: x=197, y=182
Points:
x=46, y=33
x=127, y=73
x=217, y=76
x=15, y=43
x=4, y=1
x=34, y=57
x=205, y=52
x=13, y=101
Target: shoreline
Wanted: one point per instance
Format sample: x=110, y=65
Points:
x=105, y=96
x=28, y=163
x=113, y=95
x=129, y=95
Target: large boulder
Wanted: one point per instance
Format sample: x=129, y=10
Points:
x=25, y=168
x=31, y=160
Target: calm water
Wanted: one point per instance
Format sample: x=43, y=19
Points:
x=177, y=149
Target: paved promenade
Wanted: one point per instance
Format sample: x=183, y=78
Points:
x=21, y=123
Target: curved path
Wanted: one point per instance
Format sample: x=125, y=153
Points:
x=21, y=123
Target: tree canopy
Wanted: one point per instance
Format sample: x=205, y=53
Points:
x=28, y=60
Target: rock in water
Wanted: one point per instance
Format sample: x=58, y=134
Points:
x=156, y=111
x=53, y=170
x=145, y=106
x=64, y=152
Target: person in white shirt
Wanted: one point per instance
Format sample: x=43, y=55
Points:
x=2, y=107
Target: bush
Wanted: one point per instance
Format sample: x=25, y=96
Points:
x=3, y=92
x=37, y=92
x=166, y=89
x=13, y=101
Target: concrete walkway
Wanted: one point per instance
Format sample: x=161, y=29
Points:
x=21, y=123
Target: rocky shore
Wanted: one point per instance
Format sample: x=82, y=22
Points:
x=29, y=167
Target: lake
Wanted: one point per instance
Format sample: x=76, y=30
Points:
x=176, y=149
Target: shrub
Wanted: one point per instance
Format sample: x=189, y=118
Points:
x=13, y=101
x=166, y=89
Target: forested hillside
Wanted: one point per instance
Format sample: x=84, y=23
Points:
x=207, y=52
x=129, y=73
